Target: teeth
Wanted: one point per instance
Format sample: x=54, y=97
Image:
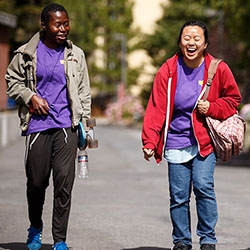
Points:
x=191, y=50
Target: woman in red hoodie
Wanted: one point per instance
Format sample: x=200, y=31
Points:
x=174, y=128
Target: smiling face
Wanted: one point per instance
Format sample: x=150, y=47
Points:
x=57, y=29
x=192, y=45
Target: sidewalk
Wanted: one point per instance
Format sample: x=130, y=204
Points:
x=124, y=204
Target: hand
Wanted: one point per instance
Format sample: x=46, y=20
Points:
x=203, y=106
x=148, y=153
x=39, y=106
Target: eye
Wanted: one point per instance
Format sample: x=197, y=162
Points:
x=186, y=38
x=66, y=24
x=57, y=25
x=197, y=39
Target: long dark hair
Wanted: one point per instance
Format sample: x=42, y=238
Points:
x=194, y=23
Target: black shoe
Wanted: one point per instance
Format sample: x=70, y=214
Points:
x=208, y=247
x=181, y=246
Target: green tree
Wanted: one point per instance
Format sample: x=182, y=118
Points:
x=236, y=23
x=97, y=27
x=6, y=6
x=163, y=42
x=100, y=27
x=28, y=17
x=228, y=34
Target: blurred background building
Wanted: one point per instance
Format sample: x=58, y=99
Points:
x=7, y=23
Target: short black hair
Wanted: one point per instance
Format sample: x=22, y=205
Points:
x=53, y=7
x=194, y=23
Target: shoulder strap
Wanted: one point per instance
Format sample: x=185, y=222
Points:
x=211, y=72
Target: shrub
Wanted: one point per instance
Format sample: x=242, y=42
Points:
x=127, y=109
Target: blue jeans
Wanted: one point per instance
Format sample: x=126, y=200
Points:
x=198, y=174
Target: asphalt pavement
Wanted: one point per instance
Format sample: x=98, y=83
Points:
x=124, y=203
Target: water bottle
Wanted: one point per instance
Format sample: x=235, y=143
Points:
x=82, y=164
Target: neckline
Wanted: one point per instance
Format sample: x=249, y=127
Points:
x=57, y=52
x=50, y=50
x=182, y=63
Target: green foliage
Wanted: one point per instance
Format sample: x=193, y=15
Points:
x=94, y=24
x=91, y=22
x=237, y=40
x=227, y=22
x=28, y=17
x=93, y=27
x=6, y=6
x=163, y=43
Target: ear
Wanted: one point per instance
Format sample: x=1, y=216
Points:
x=43, y=26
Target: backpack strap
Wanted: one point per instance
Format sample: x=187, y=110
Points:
x=211, y=72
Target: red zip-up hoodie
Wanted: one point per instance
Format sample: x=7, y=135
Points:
x=224, y=97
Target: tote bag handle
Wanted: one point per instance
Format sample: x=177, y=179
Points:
x=211, y=72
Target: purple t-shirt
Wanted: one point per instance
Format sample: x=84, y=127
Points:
x=180, y=134
x=51, y=85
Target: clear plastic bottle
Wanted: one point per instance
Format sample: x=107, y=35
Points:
x=82, y=164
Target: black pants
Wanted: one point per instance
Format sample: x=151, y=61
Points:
x=53, y=151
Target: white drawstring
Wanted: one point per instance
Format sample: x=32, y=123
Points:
x=29, y=145
x=26, y=150
x=34, y=140
x=66, y=135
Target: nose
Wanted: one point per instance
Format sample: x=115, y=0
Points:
x=191, y=42
x=62, y=28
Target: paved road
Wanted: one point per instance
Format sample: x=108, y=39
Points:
x=124, y=204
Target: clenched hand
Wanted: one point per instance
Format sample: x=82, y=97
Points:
x=39, y=106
